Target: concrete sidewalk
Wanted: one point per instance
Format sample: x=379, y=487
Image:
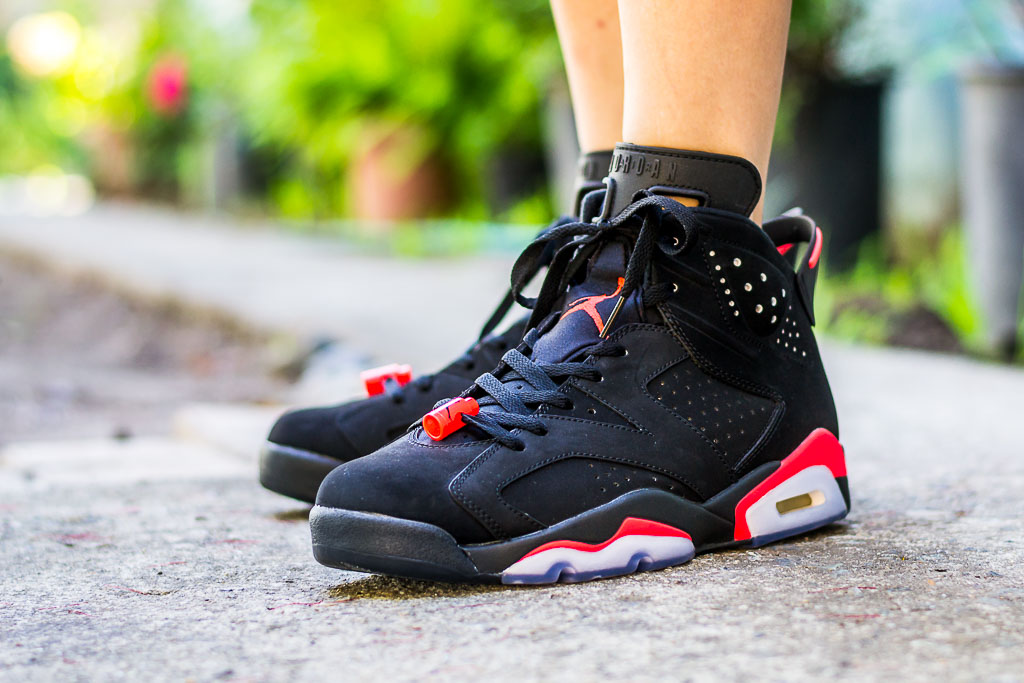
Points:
x=419, y=311
x=163, y=560
x=145, y=560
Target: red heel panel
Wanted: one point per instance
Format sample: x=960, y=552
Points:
x=821, y=447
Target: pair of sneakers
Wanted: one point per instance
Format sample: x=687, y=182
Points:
x=664, y=397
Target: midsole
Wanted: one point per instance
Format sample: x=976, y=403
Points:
x=638, y=543
x=601, y=523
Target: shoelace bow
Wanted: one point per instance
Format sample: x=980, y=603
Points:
x=536, y=384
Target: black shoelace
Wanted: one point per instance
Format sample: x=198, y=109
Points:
x=542, y=380
x=536, y=384
x=469, y=359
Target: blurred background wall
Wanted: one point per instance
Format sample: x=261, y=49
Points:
x=313, y=111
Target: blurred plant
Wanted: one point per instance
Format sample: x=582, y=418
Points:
x=167, y=85
x=330, y=79
x=30, y=141
x=883, y=298
x=816, y=31
x=172, y=89
x=311, y=88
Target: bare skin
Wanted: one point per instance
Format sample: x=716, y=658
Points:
x=588, y=31
x=704, y=75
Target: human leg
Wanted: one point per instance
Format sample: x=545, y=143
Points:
x=711, y=82
x=588, y=31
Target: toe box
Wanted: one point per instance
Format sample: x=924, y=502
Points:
x=315, y=430
x=408, y=480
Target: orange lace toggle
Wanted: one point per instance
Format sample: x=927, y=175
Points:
x=376, y=379
x=440, y=422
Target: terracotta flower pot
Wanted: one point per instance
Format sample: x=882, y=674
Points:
x=395, y=176
x=112, y=159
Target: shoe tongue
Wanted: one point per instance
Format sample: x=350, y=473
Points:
x=588, y=307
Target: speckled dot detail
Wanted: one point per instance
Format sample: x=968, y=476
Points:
x=790, y=339
x=730, y=418
x=750, y=288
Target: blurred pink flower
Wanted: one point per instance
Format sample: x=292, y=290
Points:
x=167, y=85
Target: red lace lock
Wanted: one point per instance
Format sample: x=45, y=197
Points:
x=375, y=379
x=440, y=422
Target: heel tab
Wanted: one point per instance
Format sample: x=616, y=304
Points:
x=788, y=230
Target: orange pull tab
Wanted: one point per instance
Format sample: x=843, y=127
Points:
x=375, y=379
x=440, y=422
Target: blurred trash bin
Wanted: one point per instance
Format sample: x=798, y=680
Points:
x=992, y=189
x=837, y=164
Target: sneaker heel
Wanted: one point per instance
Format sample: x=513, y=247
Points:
x=803, y=494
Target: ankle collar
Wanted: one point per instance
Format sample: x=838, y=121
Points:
x=717, y=181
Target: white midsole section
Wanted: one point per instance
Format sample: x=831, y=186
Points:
x=615, y=555
x=817, y=481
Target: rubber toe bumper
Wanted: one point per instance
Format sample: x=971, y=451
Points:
x=371, y=542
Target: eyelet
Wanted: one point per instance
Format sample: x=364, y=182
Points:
x=625, y=352
x=675, y=288
x=675, y=241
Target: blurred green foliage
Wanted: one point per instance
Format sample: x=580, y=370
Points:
x=34, y=125
x=323, y=76
x=866, y=302
x=307, y=84
x=815, y=28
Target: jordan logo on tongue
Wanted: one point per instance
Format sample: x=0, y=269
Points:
x=588, y=304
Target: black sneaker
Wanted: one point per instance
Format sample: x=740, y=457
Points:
x=304, y=445
x=675, y=405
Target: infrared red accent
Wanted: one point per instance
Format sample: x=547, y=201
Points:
x=631, y=526
x=440, y=422
x=821, y=447
x=816, y=249
x=588, y=305
x=784, y=248
x=375, y=379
